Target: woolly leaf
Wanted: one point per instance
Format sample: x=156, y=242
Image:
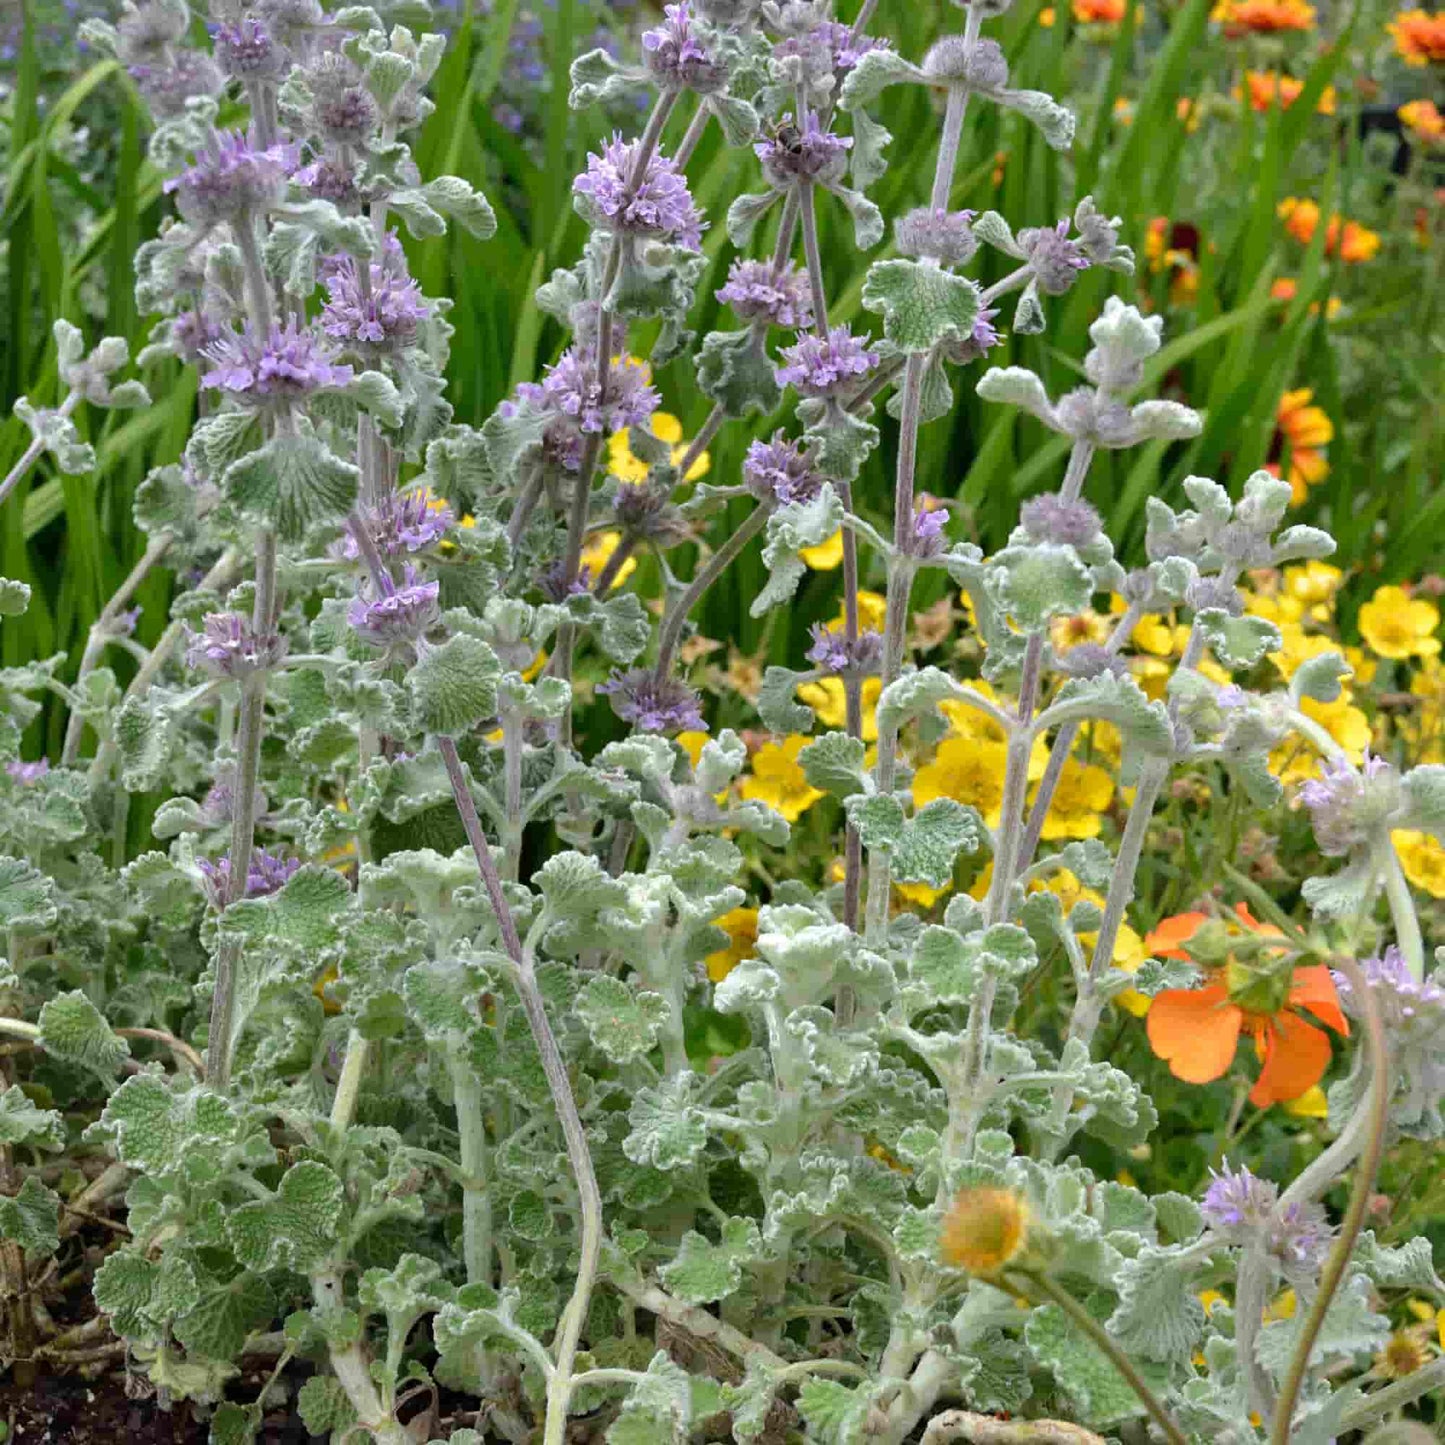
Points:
x=922, y=305
x=14, y=597
x=26, y=897
x=297, y=1228
x=22, y=1123
x=1101, y=1392
x=1424, y=788
x=324, y=1407
x=702, y=1271
x=778, y=708
x=834, y=763
x=454, y=687
x=735, y=370
x=1035, y=583
x=622, y=1022
x=31, y=1218
x=293, y=483
x=668, y=1130
x=1159, y=1315
x=1238, y=642
x=73, y=1029
x=658, y=1409
x=1320, y=677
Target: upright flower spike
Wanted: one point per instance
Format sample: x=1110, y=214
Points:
x=232, y=178
x=280, y=369
x=228, y=646
x=759, y=291
x=1243, y=1209
x=654, y=704
x=656, y=205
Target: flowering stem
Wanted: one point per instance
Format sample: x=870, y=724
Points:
x=607, y=577
x=814, y=260
x=1377, y=1114
x=1015, y=783
x=692, y=136
x=707, y=574
x=95, y=642
x=569, y=1332
x=1100, y=1337
x=221, y=1036
x=699, y=444
x=31, y=453
x=1012, y=282
x=472, y=1155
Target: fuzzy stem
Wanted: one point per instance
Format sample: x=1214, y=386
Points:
x=221, y=1037
x=696, y=126
x=1016, y=782
x=348, y=1086
x=32, y=453
x=155, y=550
x=607, y=577
x=814, y=259
x=1378, y=1119
x=1087, y=1325
x=676, y=616
x=473, y=1155
x=699, y=444
x=569, y=1331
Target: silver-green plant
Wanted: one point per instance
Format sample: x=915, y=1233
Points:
x=396, y=1029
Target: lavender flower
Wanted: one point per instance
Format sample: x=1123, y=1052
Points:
x=400, y=523
x=756, y=291
x=380, y=317
x=979, y=66
x=570, y=389
x=27, y=773
x=927, y=537
x=169, y=87
x=821, y=366
x=945, y=236
x=644, y=509
x=1243, y=1208
x=231, y=179
x=330, y=180
x=193, y=331
x=832, y=651
x=1349, y=807
x=654, y=704
x=228, y=646
x=288, y=365
x=1050, y=518
x=268, y=873
x=342, y=109
x=829, y=49
x=1054, y=259
x=658, y=205
x=677, y=58
x=398, y=616
x=1406, y=1004
x=778, y=472
x=980, y=341
x=811, y=154
x=1214, y=593
x=1090, y=659
x=556, y=585
x=247, y=52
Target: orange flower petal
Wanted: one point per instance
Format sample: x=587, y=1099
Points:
x=1296, y=1055
x=1195, y=1031
x=1314, y=989
x=1166, y=939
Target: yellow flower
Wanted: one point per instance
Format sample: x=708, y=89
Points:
x=872, y=612
x=1294, y=759
x=1312, y=1104
x=623, y=464
x=777, y=779
x=1297, y=647
x=1423, y=860
x=1279, y=606
x=1404, y=1353
x=1283, y=1307
x=968, y=771
x=741, y=927
x=1152, y=675
x=1129, y=950
x=691, y=742
x=1084, y=791
x=1397, y=626
x=826, y=698
x=1422, y=118
x=598, y=552
x=1314, y=586
x=1086, y=626
x=1364, y=666
x=1209, y=1298
x=984, y=1230
x=920, y=894
x=1158, y=636
x=826, y=555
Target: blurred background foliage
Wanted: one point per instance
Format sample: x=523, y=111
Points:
x=1168, y=138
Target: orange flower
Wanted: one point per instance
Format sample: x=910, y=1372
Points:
x=1098, y=12
x=1419, y=36
x=1240, y=17
x=1353, y=241
x=1268, y=88
x=1196, y=1031
x=1174, y=247
x=1286, y=288
x=1423, y=120
x=1306, y=430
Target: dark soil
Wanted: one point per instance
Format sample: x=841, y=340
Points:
x=66, y=1410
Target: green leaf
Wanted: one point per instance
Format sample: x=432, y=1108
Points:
x=143, y=1296
x=293, y=483
x=922, y=305
x=834, y=763
x=1102, y=1394
x=779, y=710
x=1159, y=1315
x=735, y=370
x=14, y=597
x=224, y=1315
x=1118, y=700
x=297, y=1228
x=836, y=1414
x=622, y=1022
x=27, y=897
x=1424, y=805
x=162, y=1130
x=658, y=1409
x=324, y=1407
x=1238, y=642
x=1035, y=583
x=702, y=1271
x=234, y=1424
x=22, y=1123
x=668, y=1129
x=454, y=687
x=73, y=1029
x=31, y=1218
x=923, y=848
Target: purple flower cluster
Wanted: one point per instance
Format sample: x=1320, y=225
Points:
x=27, y=773
x=945, y=236
x=832, y=651
x=329, y=180
x=382, y=316
x=677, y=58
x=1407, y=1004
x=830, y=48
x=810, y=154
x=228, y=646
x=821, y=366
x=232, y=178
x=400, y=523
x=557, y=585
x=168, y=87
x=928, y=536
x=342, y=108
x=288, y=364
x=1348, y=806
x=268, y=873
x=654, y=704
x=658, y=204
x=1050, y=518
x=778, y=472
x=1054, y=259
x=570, y=389
x=758, y=291
x=1243, y=1208
x=247, y=52
x=398, y=616
x=979, y=342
